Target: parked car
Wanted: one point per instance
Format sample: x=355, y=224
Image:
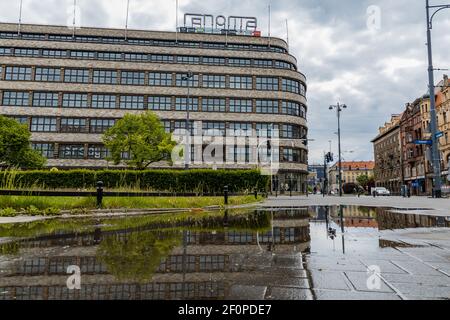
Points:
x=381, y=192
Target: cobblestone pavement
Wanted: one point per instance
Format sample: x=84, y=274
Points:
x=413, y=264
x=424, y=205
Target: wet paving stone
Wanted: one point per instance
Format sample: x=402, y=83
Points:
x=385, y=266
x=359, y=280
x=413, y=291
x=418, y=268
x=241, y=292
x=329, y=280
x=353, y=295
x=417, y=280
x=284, y=293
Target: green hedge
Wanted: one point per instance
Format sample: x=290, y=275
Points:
x=207, y=181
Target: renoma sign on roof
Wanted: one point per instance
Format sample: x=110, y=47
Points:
x=206, y=23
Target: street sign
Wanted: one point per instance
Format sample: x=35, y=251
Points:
x=424, y=142
x=439, y=135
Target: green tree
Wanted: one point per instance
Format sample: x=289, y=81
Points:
x=141, y=136
x=365, y=180
x=15, y=146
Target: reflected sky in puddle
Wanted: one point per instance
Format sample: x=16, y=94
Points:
x=245, y=256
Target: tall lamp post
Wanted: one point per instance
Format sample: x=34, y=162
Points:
x=187, y=152
x=436, y=157
x=339, y=108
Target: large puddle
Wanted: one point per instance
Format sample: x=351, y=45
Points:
x=239, y=256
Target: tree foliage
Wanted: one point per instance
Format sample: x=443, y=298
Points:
x=365, y=180
x=15, y=146
x=142, y=137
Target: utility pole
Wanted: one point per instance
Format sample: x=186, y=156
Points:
x=436, y=156
x=339, y=108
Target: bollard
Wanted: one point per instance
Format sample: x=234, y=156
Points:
x=99, y=194
x=225, y=194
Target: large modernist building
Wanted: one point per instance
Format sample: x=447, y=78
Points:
x=69, y=87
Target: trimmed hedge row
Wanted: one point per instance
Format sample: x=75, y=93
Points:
x=206, y=181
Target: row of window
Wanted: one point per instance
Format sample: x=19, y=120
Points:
x=238, y=154
x=144, y=57
x=156, y=103
x=142, y=42
x=139, y=78
x=209, y=128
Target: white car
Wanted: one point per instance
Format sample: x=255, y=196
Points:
x=381, y=192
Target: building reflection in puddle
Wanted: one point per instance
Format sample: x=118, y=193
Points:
x=179, y=263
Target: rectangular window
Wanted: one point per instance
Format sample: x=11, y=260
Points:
x=82, y=55
x=22, y=52
x=75, y=100
x=21, y=119
x=137, y=57
x=45, y=99
x=188, y=59
x=267, y=106
x=267, y=83
x=18, y=73
x=240, y=129
x=241, y=105
x=213, y=61
x=213, y=104
x=167, y=125
x=48, y=74
x=132, y=102
x=289, y=85
x=105, y=77
x=133, y=78
x=291, y=132
x=71, y=151
x=161, y=58
x=292, y=155
x=291, y=108
x=162, y=79
x=182, y=81
x=16, y=98
x=47, y=150
x=76, y=75
x=238, y=82
x=263, y=63
x=266, y=130
x=98, y=152
x=43, y=124
x=5, y=51
x=182, y=103
x=214, y=81
x=54, y=53
x=182, y=125
x=101, y=125
x=213, y=129
x=110, y=56
x=160, y=103
x=240, y=154
x=73, y=125
x=103, y=101
x=240, y=62
x=283, y=65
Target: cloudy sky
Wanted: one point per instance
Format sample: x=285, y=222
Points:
x=350, y=54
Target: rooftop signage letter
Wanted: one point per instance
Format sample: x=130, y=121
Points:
x=206, y=23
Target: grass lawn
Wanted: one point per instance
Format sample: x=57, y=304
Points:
x=29, y=205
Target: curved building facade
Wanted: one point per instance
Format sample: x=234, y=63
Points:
x=69, y=89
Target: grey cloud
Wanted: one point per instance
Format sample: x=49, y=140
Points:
x=374, y=73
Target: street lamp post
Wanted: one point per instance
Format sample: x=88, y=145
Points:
x=187, y=152
x=339, y=108
x=436, y=157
